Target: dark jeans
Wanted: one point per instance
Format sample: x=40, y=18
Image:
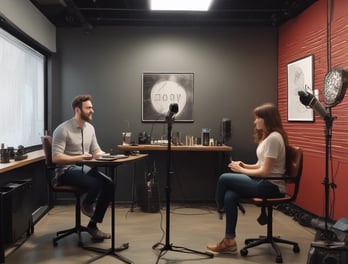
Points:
x=99, y=187
x=231, y=187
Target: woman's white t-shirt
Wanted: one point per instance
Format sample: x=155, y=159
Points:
x=273, y=146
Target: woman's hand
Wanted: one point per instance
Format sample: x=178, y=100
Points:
x=252, y=170
x=235, y=165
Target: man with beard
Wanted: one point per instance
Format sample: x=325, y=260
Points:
x=75, y=140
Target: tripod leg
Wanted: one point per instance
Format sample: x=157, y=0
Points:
x=192, y=251
x=168, y=246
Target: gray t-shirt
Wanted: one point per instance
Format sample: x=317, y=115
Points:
x=70, y=139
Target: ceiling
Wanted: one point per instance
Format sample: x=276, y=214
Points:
x=94, y=13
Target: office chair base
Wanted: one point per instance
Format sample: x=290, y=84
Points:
x=252, y=242
x=67, y=232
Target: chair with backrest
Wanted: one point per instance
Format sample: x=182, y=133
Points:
x=294, y=163
x=56, y=188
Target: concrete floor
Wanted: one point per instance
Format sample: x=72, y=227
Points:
x=192, y=227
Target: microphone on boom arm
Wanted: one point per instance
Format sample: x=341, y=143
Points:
x=309, y=99
x=173, y=109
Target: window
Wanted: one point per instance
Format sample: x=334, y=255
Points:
x=22, y=74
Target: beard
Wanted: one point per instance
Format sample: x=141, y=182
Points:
x=86, y=117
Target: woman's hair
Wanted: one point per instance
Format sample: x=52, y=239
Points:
x=78, y=100
x=273, y=122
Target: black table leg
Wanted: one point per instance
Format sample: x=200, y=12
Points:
x=133, y=188
x=2, y=247
x=113, y=250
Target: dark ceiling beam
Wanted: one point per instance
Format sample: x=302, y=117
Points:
x=91, y=13
x=109, y=16
x=76, y=11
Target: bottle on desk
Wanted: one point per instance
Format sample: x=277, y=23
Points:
x=126, y=138
x=205, y=136
x=4, y=154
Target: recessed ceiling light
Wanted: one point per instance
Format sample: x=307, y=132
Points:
x=180, y=5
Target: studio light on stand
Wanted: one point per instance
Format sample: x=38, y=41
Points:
x=326, y=251
x=173, y=110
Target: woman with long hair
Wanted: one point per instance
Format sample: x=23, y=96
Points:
x=272, y=141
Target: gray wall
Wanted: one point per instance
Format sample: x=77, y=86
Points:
x=235, y=69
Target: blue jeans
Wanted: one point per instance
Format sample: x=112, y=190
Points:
x=233, y=186
x=99, y=187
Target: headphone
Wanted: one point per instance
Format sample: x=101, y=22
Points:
x=20, y=151
x=20, y=154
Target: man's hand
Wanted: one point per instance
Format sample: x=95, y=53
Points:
x=87, y=156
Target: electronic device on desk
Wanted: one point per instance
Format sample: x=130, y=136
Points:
x=20, y=154
x=160, y=142
x=131, y=153
x=9, y=153
x=112, y=157
x=4, y=154
x=205, y=136
x=126, y=138
x=144, y=138
x=225, y=129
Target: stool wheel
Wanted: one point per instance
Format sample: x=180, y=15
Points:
x=296, y=249
x=243, y=252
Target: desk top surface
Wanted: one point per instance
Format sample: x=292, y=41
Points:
x=173, y=147
x=114, y=163
x=33, y=156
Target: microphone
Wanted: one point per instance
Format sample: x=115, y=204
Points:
x=309, y=99
x=173, y=109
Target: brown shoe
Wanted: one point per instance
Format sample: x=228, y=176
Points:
x=223, y=248
x=97, y=235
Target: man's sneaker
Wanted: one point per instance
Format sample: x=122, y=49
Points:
x=223, y=248
x=88, y=209
x=97, y=235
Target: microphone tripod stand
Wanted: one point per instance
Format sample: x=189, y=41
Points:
x=168, y=246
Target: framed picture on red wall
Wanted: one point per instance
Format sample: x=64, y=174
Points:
x=300, y=78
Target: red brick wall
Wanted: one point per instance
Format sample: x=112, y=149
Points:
x=306, y=35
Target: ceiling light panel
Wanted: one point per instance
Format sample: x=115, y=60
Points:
x=180, y=5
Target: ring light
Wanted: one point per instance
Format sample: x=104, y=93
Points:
x=335, y=85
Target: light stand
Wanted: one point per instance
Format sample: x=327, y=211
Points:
x=324, y=250
x=328, y=135
x=308, y=99
x=168, y=246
